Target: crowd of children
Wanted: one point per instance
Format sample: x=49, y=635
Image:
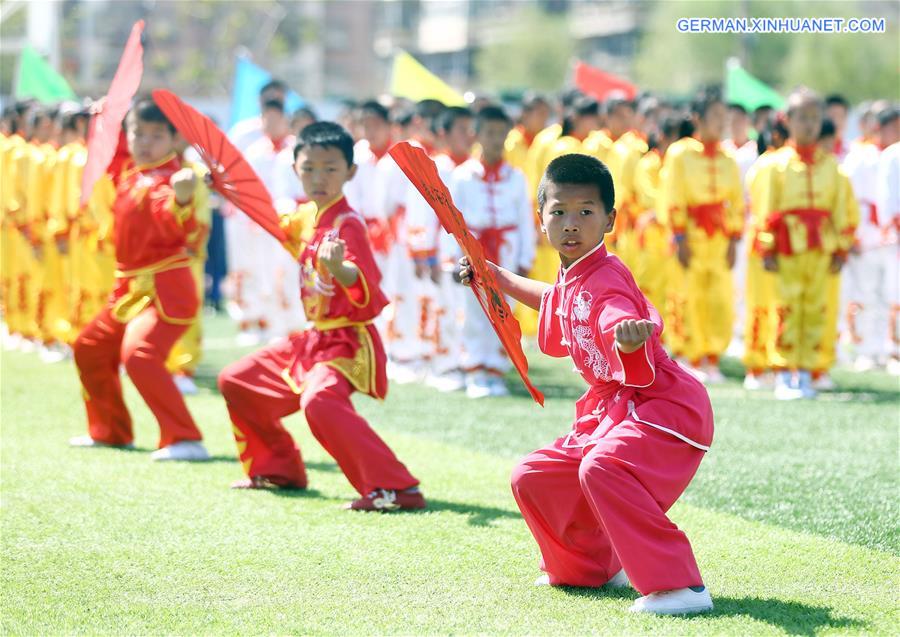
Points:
x=582, y=220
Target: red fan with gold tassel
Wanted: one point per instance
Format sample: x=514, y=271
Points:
x=423, y=174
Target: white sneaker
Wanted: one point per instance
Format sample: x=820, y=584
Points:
x=786, y=388
x=477, y=386
x=497, y=387
x=403, y=373
x=824, y=383
x=185, y=384
x=863, y=364
x=619, y=580
x=446, y=382
x=752, y=382
x=52, y=354
x=186, y=450
x=714, y=375
x=248, y=338
x=87, y=441
x=893, y=367
x=27, y=345
x=12, y=342
x=681, y=601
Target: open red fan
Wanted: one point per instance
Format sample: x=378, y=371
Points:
x=230, y=174
x=103, y=138
x=423, y=174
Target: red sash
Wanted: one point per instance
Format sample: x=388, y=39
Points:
x=812, y=218
x=709, y=216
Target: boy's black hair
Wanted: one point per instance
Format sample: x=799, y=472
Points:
x=276, y=85
x=146, y=110
x=677, y=126
x=888, y=115
x=403, y=116
x=584, y=105
x=579, y=169
x=828, y=129
x=304, y=111
x=429, y=109
x=273, y=105
x=450, y=116
x=532, y=100
x=373, y=107
x=705, y=100
x=734, y=106
x=491, y=113
x=837, y=99
x=69, y=120
x=326, y=135
x=613, y=103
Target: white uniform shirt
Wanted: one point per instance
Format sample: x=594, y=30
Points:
x=861, y=165
x=501, y=203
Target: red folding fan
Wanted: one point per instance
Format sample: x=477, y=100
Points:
x=423, y=174
x=103, y=137
x=230, y=174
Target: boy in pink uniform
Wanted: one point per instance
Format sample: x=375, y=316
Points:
x=596, y=499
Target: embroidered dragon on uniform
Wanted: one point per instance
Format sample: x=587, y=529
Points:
x=595, y=361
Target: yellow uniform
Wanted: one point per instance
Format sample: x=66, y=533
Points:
x=10, y=246
x=810, y=214
x=622, y=158
x=515, y=152
x=186, y=353
x=652, y=236
x=702, y=189
x=759, y=296
x=25, y=285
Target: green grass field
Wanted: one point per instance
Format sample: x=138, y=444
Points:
x=793, y=516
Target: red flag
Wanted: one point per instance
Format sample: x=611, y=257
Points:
x=103, y=137
x=229, y=173
x=601, y=85
x=423, y=174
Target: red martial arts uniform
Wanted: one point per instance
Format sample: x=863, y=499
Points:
x=595, y=500
x=318, y=369
x=152, y=304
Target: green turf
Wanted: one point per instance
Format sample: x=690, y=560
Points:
x=793, y=517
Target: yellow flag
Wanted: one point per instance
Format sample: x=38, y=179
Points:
x=413, y=81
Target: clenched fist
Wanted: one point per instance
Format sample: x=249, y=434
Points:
x=183, y=183
x=631, y=334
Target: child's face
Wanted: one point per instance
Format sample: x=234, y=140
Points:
x=149, y=142
x=574, y=219
x=460, y=136
x=805, y=123
x=492, y=137
x=323, y=171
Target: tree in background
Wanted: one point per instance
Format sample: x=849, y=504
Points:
x=536, y=55
x=862, y=66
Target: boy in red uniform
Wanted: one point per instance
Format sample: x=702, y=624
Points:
x=318, y=369
x=596, y=499
x=154, y=300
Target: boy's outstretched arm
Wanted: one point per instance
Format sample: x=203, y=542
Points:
x=524, y=290
x=331, y=255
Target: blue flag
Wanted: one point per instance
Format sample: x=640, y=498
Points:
x=248, y=79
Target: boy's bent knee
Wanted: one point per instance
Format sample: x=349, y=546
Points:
x=596, y=471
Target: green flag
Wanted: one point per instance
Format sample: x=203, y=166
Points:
x=38, y=80
x=744, y=89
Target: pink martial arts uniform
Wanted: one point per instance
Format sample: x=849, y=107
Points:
x=596, y=499
x=317, y=370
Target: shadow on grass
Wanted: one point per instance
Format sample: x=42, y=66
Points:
x=477, y=515
x=793, y=618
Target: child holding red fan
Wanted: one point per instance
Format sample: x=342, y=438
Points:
x=154, y=299
x=317, y=370
x=596, y=499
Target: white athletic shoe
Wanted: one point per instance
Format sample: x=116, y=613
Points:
x=403, y=373
x=863, y=364
x=497, y=387
x=619, y=580
x=478, y=385
x=752, y=382
x=185, y=384
x=893, y=367
x=186, y=450
x=248, y=338
x=87, y=441
x=714, y=375
x=446, y=382
x=786, y=387
x=681, y=601
x=824, y=383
